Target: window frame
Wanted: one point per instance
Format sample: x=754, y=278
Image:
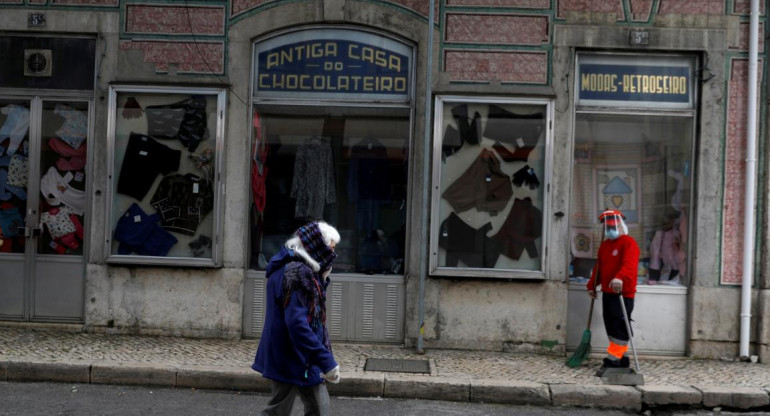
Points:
x=435, y=192
x=217, y=186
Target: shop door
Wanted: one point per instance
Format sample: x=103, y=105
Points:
x=43, y=144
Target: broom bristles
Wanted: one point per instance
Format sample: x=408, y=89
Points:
x=582, y=350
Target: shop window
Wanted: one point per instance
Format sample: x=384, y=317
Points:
x=346, y=166
x=164, y=175
x=640, y=165
x=490, y=172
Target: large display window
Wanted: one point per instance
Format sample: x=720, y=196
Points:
x=640, y=165
x=490, y=175
x=347, y=166
x=634, y=144
x=166, y=146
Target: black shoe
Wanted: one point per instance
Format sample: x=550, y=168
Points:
x=625, y=362
x=607, y=363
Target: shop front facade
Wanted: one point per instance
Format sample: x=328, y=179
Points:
x=149, y=185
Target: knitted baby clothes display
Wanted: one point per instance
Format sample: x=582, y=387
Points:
x=56, y=190
x=15, y=127
x=71, y=159
x=17, y=171
x=75, y=127
x=7, y=191
x=11, y=221
x=64, y=227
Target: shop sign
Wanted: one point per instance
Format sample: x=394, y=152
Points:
x=614, y=81
x=333, y=63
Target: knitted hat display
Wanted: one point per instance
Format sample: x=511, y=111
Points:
x=312, y=240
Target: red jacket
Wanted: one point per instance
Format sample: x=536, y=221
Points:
x=617, y=258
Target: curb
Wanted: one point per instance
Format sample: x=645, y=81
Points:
x=400, y=386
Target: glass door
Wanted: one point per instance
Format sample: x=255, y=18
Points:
x=43, y=218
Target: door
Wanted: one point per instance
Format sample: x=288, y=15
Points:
x=43, y=204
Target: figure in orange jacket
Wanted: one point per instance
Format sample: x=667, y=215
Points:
x=615, y=273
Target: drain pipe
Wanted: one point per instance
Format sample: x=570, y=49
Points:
x=750, y=192
x=426, y=151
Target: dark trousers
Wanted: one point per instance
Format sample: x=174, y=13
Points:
x=612, y=313
x=315, y=399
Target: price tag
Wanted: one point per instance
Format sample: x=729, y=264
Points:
x=79, y=177
x=137, y=218
x=195, y=188
x=520, y=142
x=142, y=153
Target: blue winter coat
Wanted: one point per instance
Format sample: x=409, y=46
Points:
x=290, y=349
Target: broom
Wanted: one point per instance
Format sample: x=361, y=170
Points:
x=584, y=348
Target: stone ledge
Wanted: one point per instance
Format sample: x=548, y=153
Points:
x=426, y=387
x=735, y=397
x=228, y=378
x=358, y=385
x=660, y=395
x=71, y=372
x=510, y=392
x=615, y=397
x=133, y=373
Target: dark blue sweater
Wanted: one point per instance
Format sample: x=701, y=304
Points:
x=290, y=349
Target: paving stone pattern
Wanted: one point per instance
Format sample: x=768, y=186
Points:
x=23, y=344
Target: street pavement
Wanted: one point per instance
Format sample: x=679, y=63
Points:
x=63, y=354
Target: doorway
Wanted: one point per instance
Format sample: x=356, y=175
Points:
x=43, y=207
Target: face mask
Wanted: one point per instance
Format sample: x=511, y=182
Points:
x=612, y=233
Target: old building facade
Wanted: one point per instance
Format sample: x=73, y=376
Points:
x=156, y=154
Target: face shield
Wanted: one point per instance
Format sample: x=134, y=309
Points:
x=613, y=223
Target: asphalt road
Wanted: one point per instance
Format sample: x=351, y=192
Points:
x=47, y=399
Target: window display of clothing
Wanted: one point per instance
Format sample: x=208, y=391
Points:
x=184, y=121
x=7, y=191
x=368, y=172
x=467, y=244
x=666, y=251
x=508, y=127
x=482, y=186
x=75, y=127
x=183, y=201
x=56, y=190
x=526, y=176
x=71, y=159
x=451, y=142
x=141, y=233
x=523, y=226
x=64, y=227
x=144, y=160
x=11, y=221
x=469, y=131
x=313, y=184
x=15, y=127
x=18, y=169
